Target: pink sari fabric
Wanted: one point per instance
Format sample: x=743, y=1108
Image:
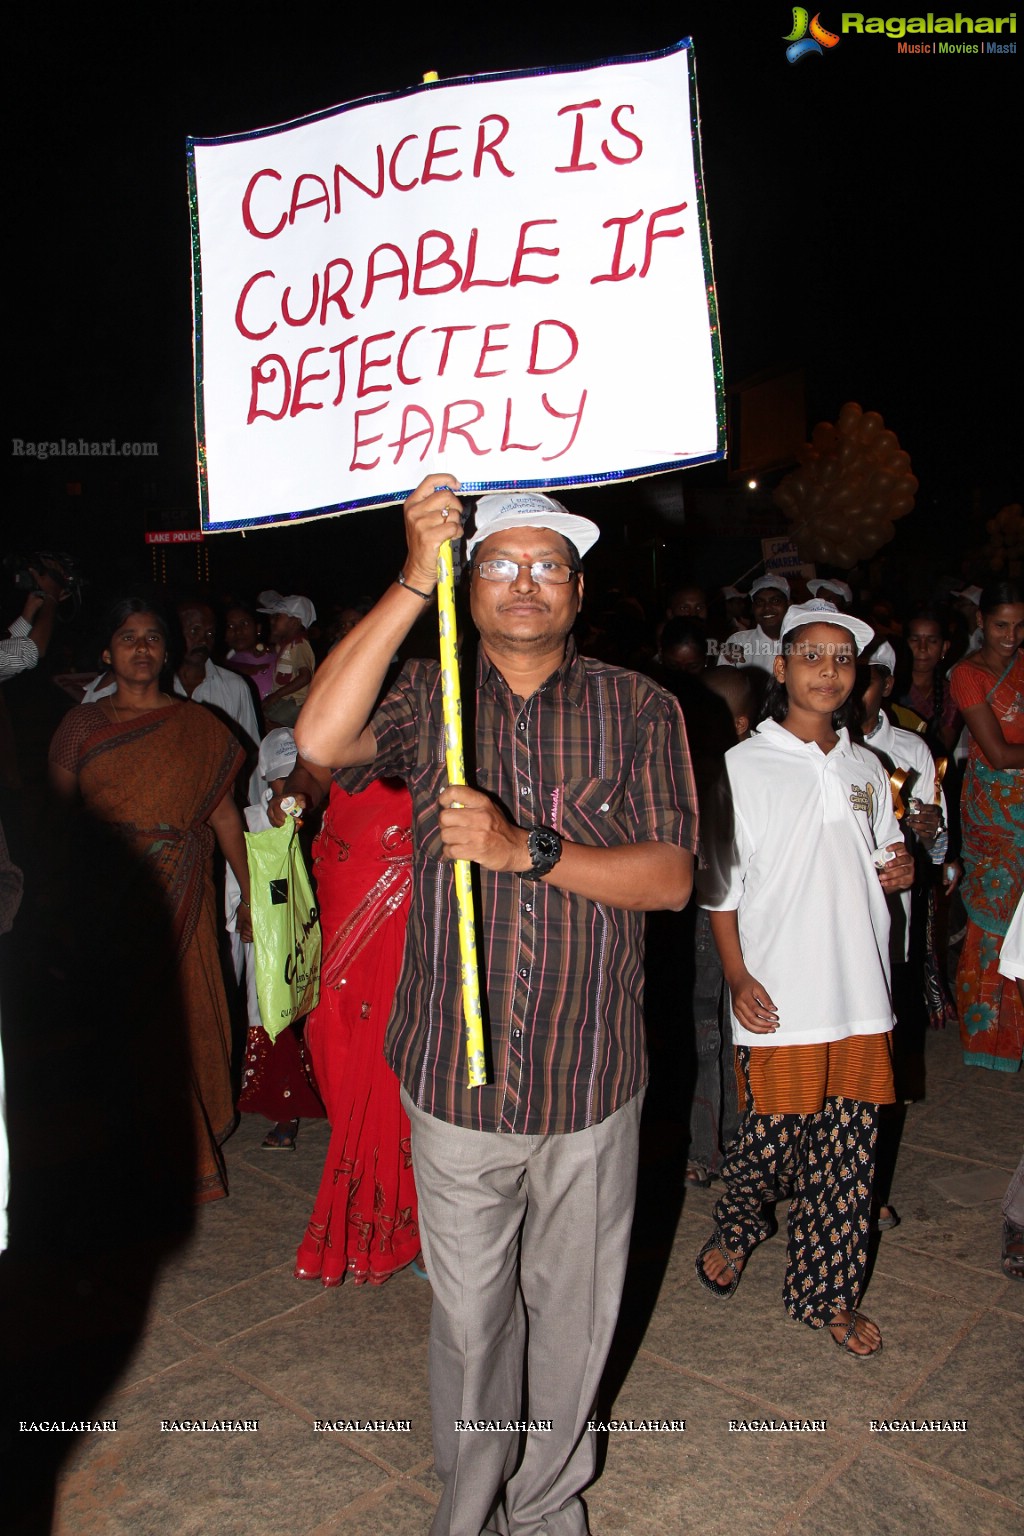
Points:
x=364, y=1221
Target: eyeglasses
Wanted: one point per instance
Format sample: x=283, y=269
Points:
x=545, y=573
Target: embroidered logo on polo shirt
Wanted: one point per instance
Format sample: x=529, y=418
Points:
x=863, y=799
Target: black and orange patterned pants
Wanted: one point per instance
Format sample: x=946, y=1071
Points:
x=826, y=1161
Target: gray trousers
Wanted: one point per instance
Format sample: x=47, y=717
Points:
x=525, y=1240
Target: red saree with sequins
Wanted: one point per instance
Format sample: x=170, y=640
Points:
x=364, y=1221
x=156, y=779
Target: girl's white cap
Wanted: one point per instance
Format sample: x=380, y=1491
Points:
x=820, y=612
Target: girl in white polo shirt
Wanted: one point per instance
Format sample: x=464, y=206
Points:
x=799, y=915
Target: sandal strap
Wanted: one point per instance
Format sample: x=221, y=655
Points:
x=851, y=1332
x=729, y=1263
x=716, y=1244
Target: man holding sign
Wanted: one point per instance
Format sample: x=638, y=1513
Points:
x=581, y=818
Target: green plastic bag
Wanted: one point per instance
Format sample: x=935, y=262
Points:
x=285, y=927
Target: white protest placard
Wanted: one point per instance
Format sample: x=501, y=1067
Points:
x=508, y=277
x=780, y=554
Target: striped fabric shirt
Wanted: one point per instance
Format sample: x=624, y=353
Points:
x=600, y=755
x=19, y=653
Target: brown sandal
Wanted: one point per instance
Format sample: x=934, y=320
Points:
x=850, y=1333
x=714, y=1243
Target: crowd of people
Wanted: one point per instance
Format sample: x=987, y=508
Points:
x=857, y=777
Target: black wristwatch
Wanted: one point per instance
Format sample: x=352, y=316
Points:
x=545, y=848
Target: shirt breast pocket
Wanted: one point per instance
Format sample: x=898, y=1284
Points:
x=593, y=811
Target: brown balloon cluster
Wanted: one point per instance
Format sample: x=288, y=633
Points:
x=852, y=483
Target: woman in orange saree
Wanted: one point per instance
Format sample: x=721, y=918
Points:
x=158, y=769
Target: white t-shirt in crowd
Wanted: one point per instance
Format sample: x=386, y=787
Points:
x=796, y=867
x=228, y=692
x=905, y=749
x=749, y=648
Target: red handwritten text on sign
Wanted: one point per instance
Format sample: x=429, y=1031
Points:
x=475, y=272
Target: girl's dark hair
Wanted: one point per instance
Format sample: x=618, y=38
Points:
x=905, y=669
x=243, y=607
x=930, y=614
x=776, y=700
x=124, y=608
x=999, y=593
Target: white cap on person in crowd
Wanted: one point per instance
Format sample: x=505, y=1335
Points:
x=298, y=607
x=774, y=580
x=831, y=585
x=820, y=612
x=530, y=509
x=732, y=593
x=883, y=656
x=967, y=594
x=277, y=754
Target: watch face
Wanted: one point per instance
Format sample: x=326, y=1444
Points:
x=545, y=850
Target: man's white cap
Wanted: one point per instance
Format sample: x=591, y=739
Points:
x=779, y=583
x=832, y=585
x=298, y=607
x=969, y=594
x=277, y=754
x=732, y=592
x=530, y=509
x=883, y=656
x=820, y=612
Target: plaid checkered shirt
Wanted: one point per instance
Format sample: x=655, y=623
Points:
x=600, y=755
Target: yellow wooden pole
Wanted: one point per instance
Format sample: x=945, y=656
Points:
x=451, y=700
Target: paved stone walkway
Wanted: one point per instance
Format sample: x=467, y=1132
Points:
x=228, y=1333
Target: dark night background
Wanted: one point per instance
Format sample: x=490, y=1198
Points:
x=861, y=208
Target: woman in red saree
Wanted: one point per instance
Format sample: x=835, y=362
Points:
x=988, y=686
x=364, y=1220
x=158, y=769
